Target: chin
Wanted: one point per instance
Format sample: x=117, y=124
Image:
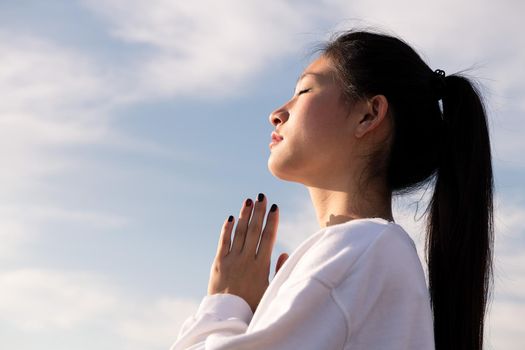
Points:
x=275, y=169
x=279, y=171
x=272, y=168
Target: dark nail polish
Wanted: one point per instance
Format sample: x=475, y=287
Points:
x=260, y=197
x=273, y=207
x=230, y=219
x=248, y=202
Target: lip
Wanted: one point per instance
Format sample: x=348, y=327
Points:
x=276, y=138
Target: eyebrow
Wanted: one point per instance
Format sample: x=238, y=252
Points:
x=318, y=75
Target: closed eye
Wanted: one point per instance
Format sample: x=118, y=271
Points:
x=303, y=91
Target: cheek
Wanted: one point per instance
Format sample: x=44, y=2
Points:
x=323, y=122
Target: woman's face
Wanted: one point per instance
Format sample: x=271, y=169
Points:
x=316, y=128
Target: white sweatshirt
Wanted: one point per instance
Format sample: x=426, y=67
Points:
x=355, y=285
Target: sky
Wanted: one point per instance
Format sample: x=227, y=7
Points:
x=129, y=131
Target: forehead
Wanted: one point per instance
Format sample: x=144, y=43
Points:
x=321, y=69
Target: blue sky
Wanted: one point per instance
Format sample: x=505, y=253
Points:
x=129, y=130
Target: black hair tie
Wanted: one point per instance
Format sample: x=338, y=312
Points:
x=440, y=85
x=440, y=72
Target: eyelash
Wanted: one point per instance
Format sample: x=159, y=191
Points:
x=303, y=91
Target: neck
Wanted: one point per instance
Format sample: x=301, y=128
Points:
x=335, y=206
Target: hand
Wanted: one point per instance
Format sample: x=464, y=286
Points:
x=243, y=270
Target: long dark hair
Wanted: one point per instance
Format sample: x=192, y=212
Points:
x=449, y=146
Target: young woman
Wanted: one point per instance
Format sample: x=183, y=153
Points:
x=364, y=124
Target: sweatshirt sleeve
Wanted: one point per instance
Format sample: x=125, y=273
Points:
x=303, y=315
x=219, y=314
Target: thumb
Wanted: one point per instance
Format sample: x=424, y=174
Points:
x=282, y=258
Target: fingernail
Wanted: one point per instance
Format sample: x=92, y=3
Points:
x=248, y=202
x=273, y=207
x=260, y=197
x=230, y=218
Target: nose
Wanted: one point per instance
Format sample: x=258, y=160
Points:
x=279, y=116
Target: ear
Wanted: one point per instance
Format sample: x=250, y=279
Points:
x=374, y=112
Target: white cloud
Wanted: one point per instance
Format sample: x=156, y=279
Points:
x=52, y=98
x=48, y=95
x=46, y=214
x=156, y=323
x=504, y=325
x=509, y=261
x=36, y=300
x=241, y=35
x=21, y=224
x=205, y=47
x=14, y=233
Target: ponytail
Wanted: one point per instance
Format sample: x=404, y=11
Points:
x=460, y=237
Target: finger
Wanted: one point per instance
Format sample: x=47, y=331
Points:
x=282, y=258
x=242, y=225
x=225, y=239
x=269, y=234
x=255, y=226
